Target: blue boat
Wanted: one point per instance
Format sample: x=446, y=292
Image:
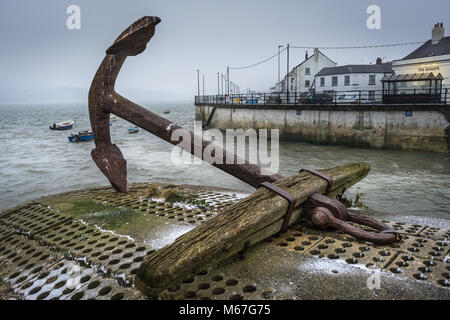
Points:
x=81, y=136
x=66, y=125
x=133, y=130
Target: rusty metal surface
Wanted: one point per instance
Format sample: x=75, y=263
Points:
x=330, y=213
x=103, y=100
x=321, y=175
x=290, y=198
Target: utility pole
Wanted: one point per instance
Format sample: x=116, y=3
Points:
x=203, y=84
x=280, y=46
x=287, y=76
x=228, y=80
x=198, y=83
x=222, y=82
x=218, y=86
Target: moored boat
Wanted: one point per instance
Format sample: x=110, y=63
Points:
x=81, y=136
x=133, y=130
x=66, y=125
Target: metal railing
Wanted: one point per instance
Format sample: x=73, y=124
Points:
x=403, y=96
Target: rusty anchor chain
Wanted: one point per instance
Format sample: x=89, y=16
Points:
x=104, y=100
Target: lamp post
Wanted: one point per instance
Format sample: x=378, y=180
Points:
x=222, y=82
x=280, y=46
x=218, y=85
x=203, y=84
x=228, y=80
x=287, y=76
x=198, y=84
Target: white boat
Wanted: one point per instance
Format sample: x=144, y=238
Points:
x=65, y=125
x=112, y=117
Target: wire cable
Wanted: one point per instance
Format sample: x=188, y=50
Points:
x=258, y=63
x=363, y=47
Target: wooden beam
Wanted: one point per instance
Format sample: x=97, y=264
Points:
x=247, y=222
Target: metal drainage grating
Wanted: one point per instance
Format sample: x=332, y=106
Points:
x=33, y=219
x=47, y=255
x=415, y=257
x=176, y=212
x=213, y=286
x=115, y=255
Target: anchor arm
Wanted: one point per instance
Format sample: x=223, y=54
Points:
x=103, y=100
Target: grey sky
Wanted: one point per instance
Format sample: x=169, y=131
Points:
x=39, y=53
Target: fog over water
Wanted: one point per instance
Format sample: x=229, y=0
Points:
x=36, y=161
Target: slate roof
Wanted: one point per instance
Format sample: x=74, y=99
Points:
x=430, y=50
x=357, y=68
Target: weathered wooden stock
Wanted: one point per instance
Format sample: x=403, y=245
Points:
x=245, y=223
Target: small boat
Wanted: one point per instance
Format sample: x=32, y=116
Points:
x=66, y=125
x=166, y=112
x=81, y=136
x=133, y=130
x=112, y=117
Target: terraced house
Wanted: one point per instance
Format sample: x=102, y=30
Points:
x=353, y=79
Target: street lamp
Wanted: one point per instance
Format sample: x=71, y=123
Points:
x=198, y=83
x=287, y=75
x=280, y=46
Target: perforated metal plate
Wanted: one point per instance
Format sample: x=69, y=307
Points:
x=47, y=254
x=415, y=256
x=214, y=285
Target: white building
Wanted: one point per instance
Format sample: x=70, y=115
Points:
x=301, y=77
x=353, y=78
x=433, y=56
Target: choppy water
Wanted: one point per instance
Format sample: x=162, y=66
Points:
x=35, y=161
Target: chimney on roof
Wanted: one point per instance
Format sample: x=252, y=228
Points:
x=437, y=33
x=316, y=55
x=379, y=61
x=306, y=55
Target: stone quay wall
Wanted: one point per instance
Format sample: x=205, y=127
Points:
x=400, y=127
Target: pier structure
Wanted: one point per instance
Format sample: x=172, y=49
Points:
x=361, y=123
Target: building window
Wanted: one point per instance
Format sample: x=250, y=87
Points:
x=372, y=80
x=334, y=81
x=371, y=95
x=322, y=82
x=307, y=83
x=307, y=71
x=347, y=81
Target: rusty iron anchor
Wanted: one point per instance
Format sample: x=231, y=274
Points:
x=104, y=100
x=331, y=213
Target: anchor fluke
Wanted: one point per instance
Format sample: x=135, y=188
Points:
x=134, y=39
x=110, y=161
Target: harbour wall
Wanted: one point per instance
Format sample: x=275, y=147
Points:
x=400, y=127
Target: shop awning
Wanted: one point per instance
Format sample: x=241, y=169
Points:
x=411, y=77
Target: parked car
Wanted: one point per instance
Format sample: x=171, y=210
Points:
x=317, y=98
x=274, y=98
x=348, y=97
